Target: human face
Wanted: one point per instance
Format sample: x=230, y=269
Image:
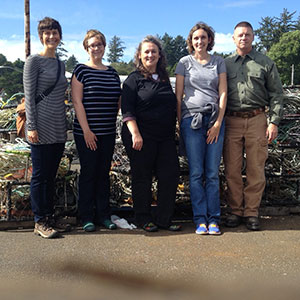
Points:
x=243, y=38
x=50, y=38
x=149, y=55
x=95, y=48
x=200, y=41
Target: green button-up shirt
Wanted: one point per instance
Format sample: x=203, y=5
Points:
x=253, y=82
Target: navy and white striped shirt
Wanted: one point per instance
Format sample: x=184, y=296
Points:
x=101, y=92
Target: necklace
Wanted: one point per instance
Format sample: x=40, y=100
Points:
x=155, y=76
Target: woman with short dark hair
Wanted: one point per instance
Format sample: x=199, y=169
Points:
x=45, y=123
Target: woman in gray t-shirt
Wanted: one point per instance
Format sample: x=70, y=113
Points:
x=201, y=91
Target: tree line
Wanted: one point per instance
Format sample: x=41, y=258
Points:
x=277, y=37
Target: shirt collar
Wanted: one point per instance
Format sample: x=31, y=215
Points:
x=251, y=55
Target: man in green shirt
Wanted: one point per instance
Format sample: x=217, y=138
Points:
x=253, y=85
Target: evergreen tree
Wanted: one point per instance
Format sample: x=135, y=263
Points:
x=71, y=63
x=115, y=49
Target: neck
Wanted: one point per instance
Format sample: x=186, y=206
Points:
x=48, y=52
x=95, y=62
x=243, y=52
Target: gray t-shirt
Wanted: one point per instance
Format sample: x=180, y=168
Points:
x=48, y=117
x=201, y=83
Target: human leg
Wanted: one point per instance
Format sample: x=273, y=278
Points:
x=106, y=146
x=213, y=155
x=195, y=144
x=256, y=147
x=45, y=161
x=86, y=185
x=167, y=172
x=233, y=160
x=141, y=165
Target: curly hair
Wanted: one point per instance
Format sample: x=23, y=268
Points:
x=161, y=64
x=93, y=33
x=48, y=24
x=210, y=32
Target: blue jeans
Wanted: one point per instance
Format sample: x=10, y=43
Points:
x=204, y=161
x=45, y=162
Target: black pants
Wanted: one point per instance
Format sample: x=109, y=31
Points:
x=94, y=182
x=157, y=158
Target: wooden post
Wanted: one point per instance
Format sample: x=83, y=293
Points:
x=27, y=28
x=292, y=75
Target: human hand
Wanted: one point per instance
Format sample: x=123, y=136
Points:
x=272, y=132
x=32, y=136
x=213, y=134
x=90, y=140
x=137, y=142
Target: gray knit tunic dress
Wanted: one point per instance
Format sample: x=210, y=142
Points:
x=48, y=117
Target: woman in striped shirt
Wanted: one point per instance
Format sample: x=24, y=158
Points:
x=45, y=123
x=95, y=94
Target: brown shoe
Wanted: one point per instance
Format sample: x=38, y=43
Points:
x=44, y=229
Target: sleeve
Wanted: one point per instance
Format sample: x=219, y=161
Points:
x=30, y=82
x=79, y=73
x=221, y=66
x=275, y=90
x=180, y=68
x=129, y=98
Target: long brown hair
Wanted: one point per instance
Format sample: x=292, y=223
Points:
x=161, y=64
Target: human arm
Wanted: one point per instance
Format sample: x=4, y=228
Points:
x=179, y=88
x=213, y=132
x=271, y=132
x=77, y=96
x=137, y=140
x=30, y=80
x=128, y=105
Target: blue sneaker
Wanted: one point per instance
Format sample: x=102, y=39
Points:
x=201, y=229
x=214, y=229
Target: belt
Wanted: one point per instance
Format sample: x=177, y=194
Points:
x=246, y=114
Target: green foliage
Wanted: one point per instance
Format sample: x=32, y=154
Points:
x=115, y=50
x=272, y=28
x=123, y=68
x=61, y=52
x=174, y=48
x=11, y=77
x=71, y=63
x=286, y=53
x=3, y=59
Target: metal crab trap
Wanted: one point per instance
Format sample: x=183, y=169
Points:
x=15, y=174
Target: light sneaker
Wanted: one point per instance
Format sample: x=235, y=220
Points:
x=44, y=229
x=201, y=229
x=214, y=229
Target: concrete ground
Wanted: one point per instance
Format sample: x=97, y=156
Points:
x=125, y=264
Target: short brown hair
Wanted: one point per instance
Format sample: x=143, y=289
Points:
x=93, y=33
x=210, y=32
x=243, y=24
x=48, y=24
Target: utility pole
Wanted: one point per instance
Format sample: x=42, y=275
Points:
x=292, y=75
x=27, y=28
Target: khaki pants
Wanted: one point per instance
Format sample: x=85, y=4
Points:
x=245, y=135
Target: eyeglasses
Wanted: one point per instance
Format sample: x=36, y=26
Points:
x=94, y=46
